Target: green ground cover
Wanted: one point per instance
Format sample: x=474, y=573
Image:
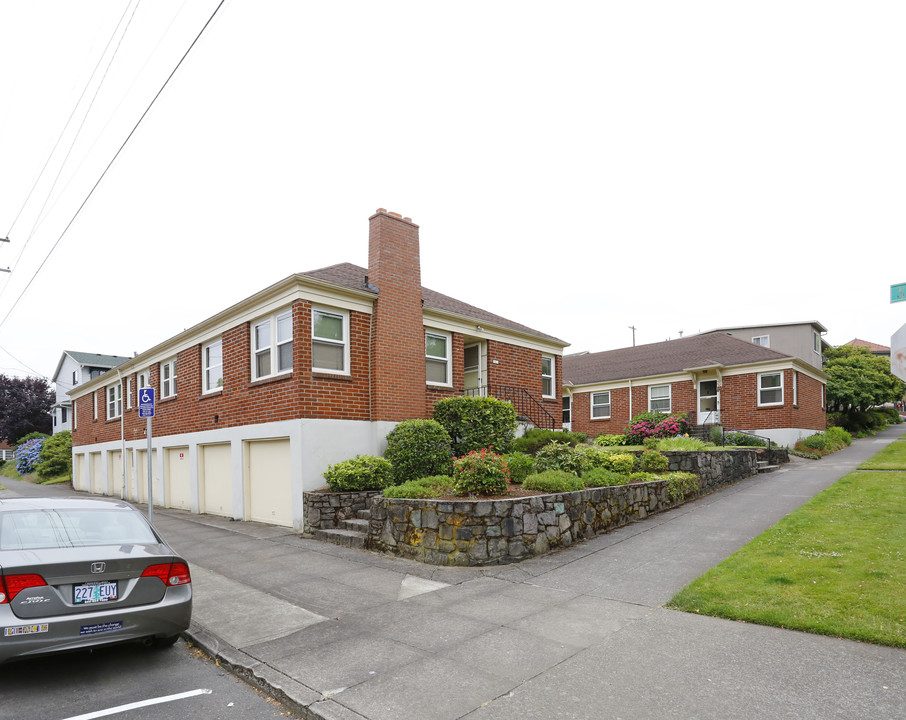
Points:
x=893, y=457
x=836, y=566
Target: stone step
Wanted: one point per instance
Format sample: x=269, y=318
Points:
x=339, y=536
x=363, y=514
x=763, y=467
x=357, y=524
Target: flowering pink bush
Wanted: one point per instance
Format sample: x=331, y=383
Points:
x=655, y=425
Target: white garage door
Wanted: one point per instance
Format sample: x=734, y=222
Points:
x=178, y=478
x=268, y=484
x=215, y=477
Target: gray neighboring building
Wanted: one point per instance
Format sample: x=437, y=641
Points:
x=804, y=340
x=73, y=369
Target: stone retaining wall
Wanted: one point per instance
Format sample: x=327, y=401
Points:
x=327, y=510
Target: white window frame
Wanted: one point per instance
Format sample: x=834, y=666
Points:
x=75, y=415
x=567, y=416
x=95, y=396
x=129, y=393
x=762, y=389
x=168, y=386
x=595, y=404
x=447, y=360
x=552, y=376
x=816, y=337
x=669, y=399
x=344, y=343
x=114, y=397
x=762, y=340
x=144, y=379
x=207, y=367
x=273, y=348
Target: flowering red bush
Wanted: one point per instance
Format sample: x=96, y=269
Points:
x=481, y=472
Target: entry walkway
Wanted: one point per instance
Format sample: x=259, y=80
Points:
x=346, y=634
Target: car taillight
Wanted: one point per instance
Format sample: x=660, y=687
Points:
x=12, y=585
x=169, y=573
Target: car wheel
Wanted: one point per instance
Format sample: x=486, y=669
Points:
x=164, y=642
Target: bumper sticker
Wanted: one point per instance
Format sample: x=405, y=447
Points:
x=25, y=629
x=100, y=628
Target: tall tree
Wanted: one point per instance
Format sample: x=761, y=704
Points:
x=25, y=405
x=858, y=380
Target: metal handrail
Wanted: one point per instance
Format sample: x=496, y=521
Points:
x=525, y=403
x=724, y=432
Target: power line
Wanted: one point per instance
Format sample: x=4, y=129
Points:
x=113, y=159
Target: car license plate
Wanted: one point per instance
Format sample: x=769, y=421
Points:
x=93, y=592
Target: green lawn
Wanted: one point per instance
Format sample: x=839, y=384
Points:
x=893, y=457
x=836, y=566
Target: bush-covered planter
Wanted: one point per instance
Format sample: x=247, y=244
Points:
x=483, y=532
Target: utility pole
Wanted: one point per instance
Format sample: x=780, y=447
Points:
x=632, y=327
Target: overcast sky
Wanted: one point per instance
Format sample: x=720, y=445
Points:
x=579, y=167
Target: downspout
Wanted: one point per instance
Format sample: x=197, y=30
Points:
x=630, y=399
x=122, y=435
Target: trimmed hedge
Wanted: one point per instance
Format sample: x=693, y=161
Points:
x=474, y=423
x=363, y=472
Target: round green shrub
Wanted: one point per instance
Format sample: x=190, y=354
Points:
x=620, y=462
x=601, y=477
x=426, y=487
x=419, y=448
x=681, y=485
x=474, y=423
x=363, y=472
x=521, y=466
x=481, y=472
x=559, y=456
x=653, y=461
x=609, y=440
x=56, y=455
x=554, y=481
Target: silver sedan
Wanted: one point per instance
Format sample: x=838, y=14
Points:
x=79, y=573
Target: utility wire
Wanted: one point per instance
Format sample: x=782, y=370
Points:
x=113, y=160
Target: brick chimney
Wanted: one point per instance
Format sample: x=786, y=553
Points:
x=398, y=336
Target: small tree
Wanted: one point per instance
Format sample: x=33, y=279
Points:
x=858, y=380
x=474, y=423
x=25, y=405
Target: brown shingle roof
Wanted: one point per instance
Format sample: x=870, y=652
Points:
x=663, y=358
x=353, y=277
x=873, y=347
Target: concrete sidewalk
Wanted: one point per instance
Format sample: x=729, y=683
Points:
x=340, y=634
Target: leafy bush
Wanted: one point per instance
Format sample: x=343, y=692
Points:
x=419, y=448
x=717, y=434
x=653, y=461
x=474, y=423
x=601, y=477
x=554, y=481
x=861, y=423
x=28, y=455
x=657, y=425
x=363, y=472
x=681, y=485
x=839, y=436
x=742, y=439
x=535, y=439
x=680, y=443
x=559, y=456
x=56, y=455
x=481, y=472
x=521, y=466
x=644, y=477
x=609, y=440
x=426, y=487
x=620, y=462
x=821, y=444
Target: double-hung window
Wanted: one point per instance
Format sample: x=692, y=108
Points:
x=329, y=340
x=547, y=376
x=437, y=358
x=168, y=378
x=129, y=393
x=659, y=398
x=114, y=401
x=272, y=345
x=212, y=366
x=763, y=340
x=770, y=388
x=600, y=405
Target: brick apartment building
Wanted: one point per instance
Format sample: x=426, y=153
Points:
x=714, y=378
x=253, y=403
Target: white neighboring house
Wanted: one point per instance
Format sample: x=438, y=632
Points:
x=73, y=369
x=804, y=340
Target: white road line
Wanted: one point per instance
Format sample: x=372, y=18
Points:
x=142, y=703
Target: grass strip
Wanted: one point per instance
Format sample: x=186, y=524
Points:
x=892, y=457
x=836, y=566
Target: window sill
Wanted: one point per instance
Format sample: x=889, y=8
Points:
x=270, y=379
x=324, y=375
x=212, y=394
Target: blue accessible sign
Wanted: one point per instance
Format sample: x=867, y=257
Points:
x=146, y=403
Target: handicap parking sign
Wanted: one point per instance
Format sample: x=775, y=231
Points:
x=146, y=402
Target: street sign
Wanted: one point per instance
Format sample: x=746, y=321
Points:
x=898, y=293
x=146, y=403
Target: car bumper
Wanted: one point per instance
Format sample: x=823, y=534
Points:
x=33, y=637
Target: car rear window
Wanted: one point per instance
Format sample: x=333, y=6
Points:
x=34, y=529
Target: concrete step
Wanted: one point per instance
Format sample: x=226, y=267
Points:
x=358, y=524
x=763, y=467
x=340, y=536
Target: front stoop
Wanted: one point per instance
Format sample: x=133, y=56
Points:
x=352, y=533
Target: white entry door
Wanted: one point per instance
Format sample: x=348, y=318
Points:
x=708, y=403
x=474, y=368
